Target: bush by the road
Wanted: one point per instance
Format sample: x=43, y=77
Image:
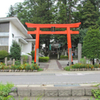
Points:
x=5, y=89
x=63, y=57
x=3, y=54
x=43, y=59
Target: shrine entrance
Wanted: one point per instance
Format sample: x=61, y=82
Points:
x=68, y=31
x=53, y=50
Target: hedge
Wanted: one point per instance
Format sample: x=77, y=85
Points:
x=43, y=59
x=3, y=54
x=63, y=57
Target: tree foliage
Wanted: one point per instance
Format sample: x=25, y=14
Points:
x=15, y=50
x=59, y=12
x=91, y=48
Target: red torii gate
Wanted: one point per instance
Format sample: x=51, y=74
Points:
x=38, y=32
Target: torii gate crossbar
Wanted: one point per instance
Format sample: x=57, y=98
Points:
x=38, y=32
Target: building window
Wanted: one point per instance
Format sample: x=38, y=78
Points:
x=4, y=41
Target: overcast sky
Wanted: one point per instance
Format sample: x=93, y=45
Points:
x=5, y=5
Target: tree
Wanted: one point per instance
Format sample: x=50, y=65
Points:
x=3, y=54
x=11, y=12
x=89, y=15
x=15, y=50
x=91, y=48
x=82, y=34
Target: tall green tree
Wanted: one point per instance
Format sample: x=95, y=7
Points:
x=11, y=12
x=64, y=14
x=15, y=50
x=91, y=48
x=87, y=14
x=82, y=34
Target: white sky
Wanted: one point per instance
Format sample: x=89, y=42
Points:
x=5, y=5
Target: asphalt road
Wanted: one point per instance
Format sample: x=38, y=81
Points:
x=51, y=78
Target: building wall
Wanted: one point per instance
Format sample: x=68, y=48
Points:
x=27, y=48
x=14, y=31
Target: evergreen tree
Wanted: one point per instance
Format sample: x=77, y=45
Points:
x=15, y=50
x=89, y=15
x=82, y=34
x=91, y=48
x=11, y=12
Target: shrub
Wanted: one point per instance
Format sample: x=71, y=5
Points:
x=6, y=67
x=83, y=60
x=32, y=54
x=40, y=69
x=13, y=67
x=5, y=89
x=96, y=93
x=2, y=65
x=67, y=68
x=34, y=67
x=63, y=57
x=80, y=65
x=17, y=67
x=27, y=66
x=25, y=58
x=3, y=54
x=15, y=50
x=17, y=62
x=96, y=66
x=22, y=67
x=43, y=59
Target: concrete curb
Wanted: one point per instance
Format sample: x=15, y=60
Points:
x=30, y=91
x=56, y=98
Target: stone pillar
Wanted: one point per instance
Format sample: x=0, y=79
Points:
x=30, y=60
x=13, y=61
x=6, y=61
x=21, y=60
x=34, y=47
x=70, y=54
x=66, y=53
x=37, y=56
x=79, y=52
x=58, y=56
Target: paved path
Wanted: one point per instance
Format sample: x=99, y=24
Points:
x=52, y=66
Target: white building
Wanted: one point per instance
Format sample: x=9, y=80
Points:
x=12, y=29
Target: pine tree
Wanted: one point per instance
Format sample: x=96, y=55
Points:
x=88, y=15
x=11, y=12
x=15, y=50
x=91, y=48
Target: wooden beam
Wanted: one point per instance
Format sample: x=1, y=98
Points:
x=73, y=25
x=56, y=32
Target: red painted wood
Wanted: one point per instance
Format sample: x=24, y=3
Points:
x=56, y=32
x=73, y=25
x=38, y=32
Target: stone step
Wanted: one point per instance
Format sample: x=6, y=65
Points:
x=32, y=91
